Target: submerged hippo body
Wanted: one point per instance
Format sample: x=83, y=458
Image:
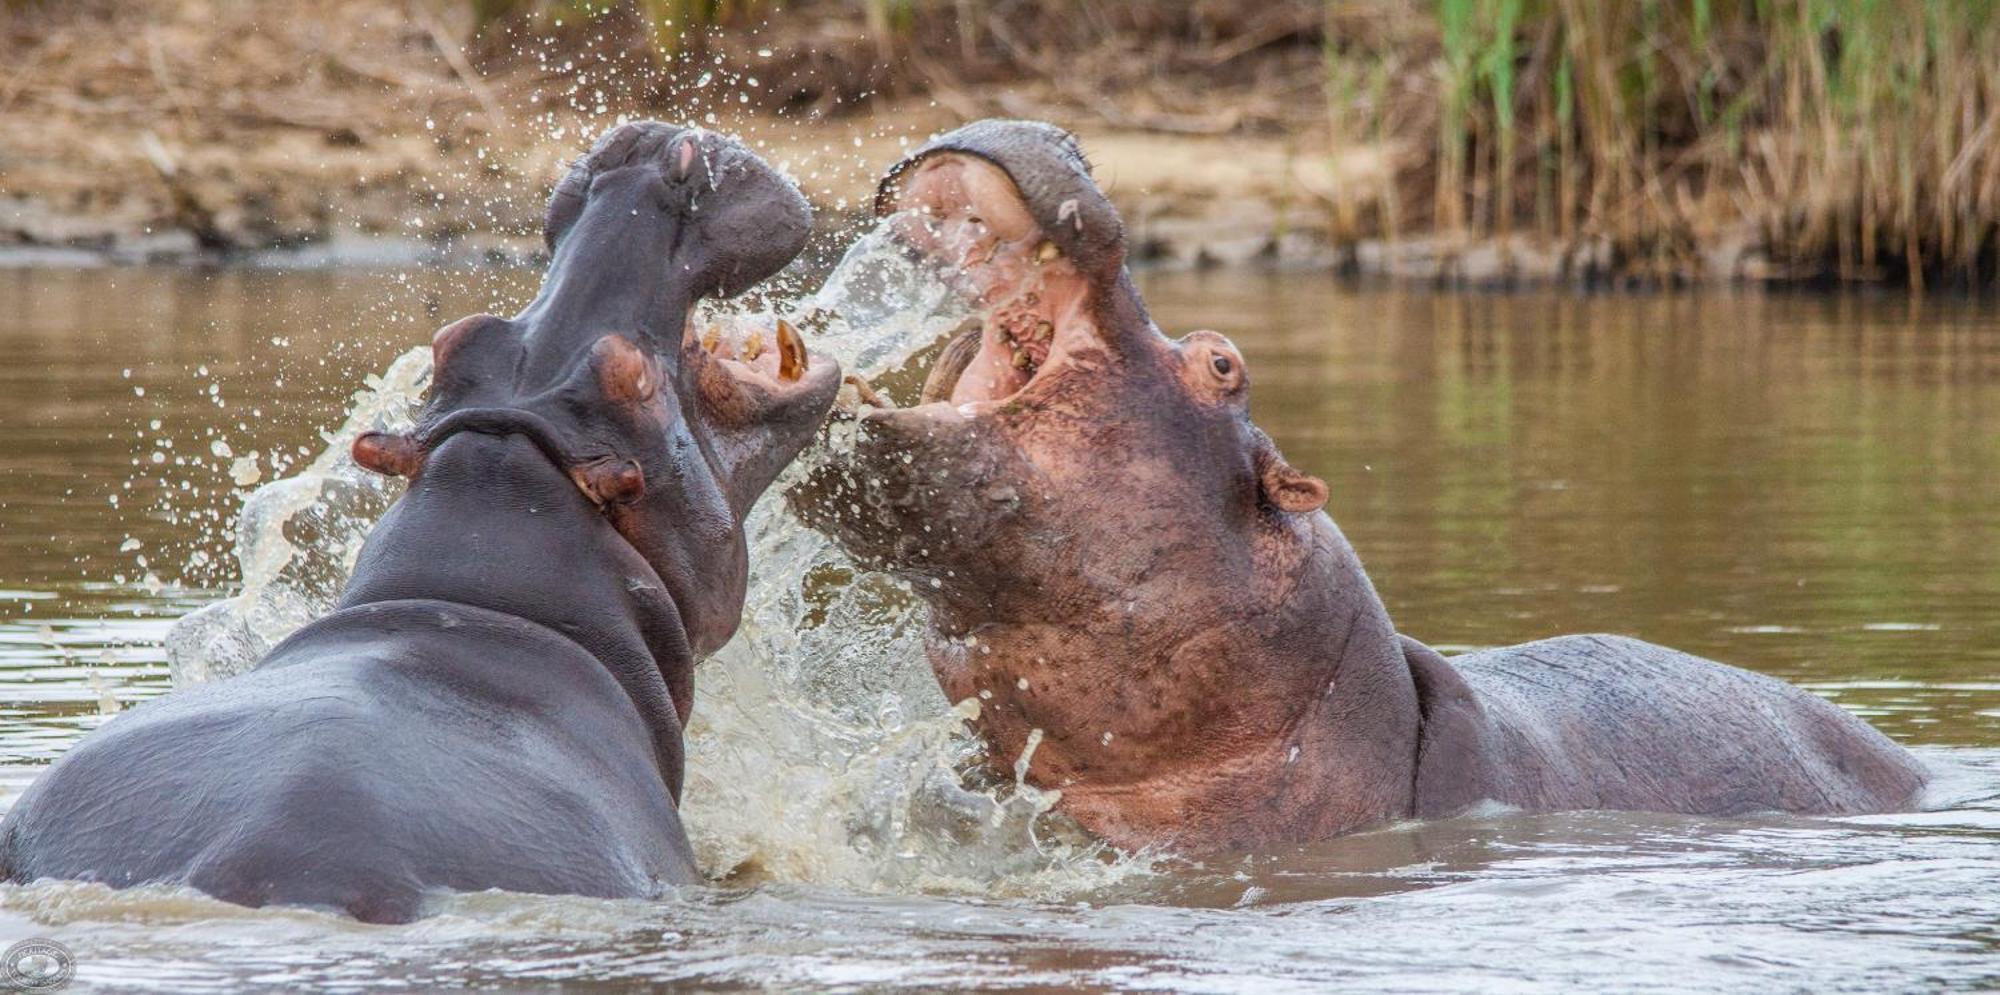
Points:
x=498, y=700
x=1139, y=592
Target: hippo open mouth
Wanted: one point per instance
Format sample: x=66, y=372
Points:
x=1007, y=214
x=1006, y=211
x=965, y=213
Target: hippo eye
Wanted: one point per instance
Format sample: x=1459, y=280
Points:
x=1222, y=364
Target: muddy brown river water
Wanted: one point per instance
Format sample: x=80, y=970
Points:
x=1807, y=486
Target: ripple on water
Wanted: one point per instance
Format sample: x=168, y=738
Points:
x=1592, y=901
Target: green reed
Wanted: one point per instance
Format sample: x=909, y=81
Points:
x=1853, y=139
x=1850, y=138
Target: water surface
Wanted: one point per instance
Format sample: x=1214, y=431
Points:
x=1801, y=485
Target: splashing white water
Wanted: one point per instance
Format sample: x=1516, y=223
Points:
x=820, y=749
x=297, y=538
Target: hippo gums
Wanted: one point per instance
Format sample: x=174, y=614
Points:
x=1147, y=601
x=499, y=697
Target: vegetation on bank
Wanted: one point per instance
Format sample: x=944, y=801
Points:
x=1847, y=140
x=1854, y=139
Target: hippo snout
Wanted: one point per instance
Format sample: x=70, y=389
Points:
x=749, y=219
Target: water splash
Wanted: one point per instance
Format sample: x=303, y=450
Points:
x=297, y=538
x=820, y=749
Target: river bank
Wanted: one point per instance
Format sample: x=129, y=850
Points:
x=1188, y=202
x=1475, y=146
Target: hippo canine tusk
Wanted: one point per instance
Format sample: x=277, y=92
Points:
x=957, y=356
x=858, y=393
x=866, y=392
x=791, y=352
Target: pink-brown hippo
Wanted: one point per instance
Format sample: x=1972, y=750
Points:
x=1132, y=583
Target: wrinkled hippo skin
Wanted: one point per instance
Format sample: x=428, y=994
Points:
x=1119, y=563
x=498, y=700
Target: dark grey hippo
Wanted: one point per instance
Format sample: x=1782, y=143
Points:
x=1146, y=601
x=498, y=700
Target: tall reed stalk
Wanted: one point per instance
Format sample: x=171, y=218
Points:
x=1855, y=138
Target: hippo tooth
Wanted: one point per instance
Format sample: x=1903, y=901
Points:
x=1043, y=331
x=866, y=392
x=711, y=340
x=1047, y=252
x=1021, y=359
x=958, y=354
x=791, y=352
x=753, y=347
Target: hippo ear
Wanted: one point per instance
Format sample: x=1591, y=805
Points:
x=1283, y=487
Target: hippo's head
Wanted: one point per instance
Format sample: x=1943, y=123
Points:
x=1066, y=436
x=1083, y=501
x=668, y=433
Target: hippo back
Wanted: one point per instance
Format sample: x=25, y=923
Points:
x=1610, y=722
x=382, y=753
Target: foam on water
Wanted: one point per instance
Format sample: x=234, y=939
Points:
x=820, y=749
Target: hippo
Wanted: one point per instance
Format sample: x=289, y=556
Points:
x=1146, y=608
x=498, y=698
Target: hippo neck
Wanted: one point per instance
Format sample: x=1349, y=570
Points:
x=591, y=290
x=1281, y=697
x=492, y=525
